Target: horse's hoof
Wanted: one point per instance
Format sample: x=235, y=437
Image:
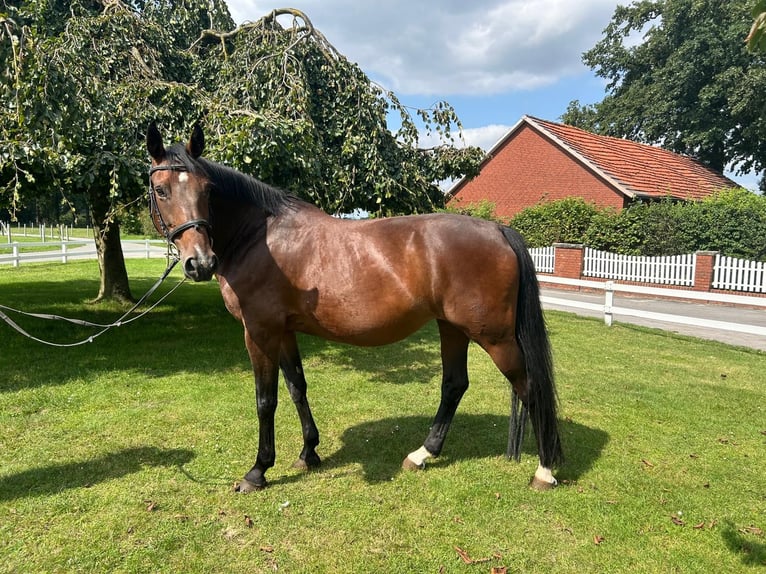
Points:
x=309, y=463
x=305, y=466
x=244, y=486
x=407, y=464
x=541, y=485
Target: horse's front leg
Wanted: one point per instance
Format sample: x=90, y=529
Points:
x=264, y=357
x=292, y=369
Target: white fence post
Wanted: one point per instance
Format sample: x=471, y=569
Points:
x=63, y=252
x=147, y=245
x=608, y=302
x=16, y=258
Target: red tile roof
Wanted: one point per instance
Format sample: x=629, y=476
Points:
x=637, y=170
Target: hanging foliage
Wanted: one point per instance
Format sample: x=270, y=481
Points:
x=287, y=107
x=80, y=80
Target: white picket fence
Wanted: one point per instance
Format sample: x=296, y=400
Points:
x=729, y=273
x=44, y=232
x=544, y=258
x=663, y=270
x=739, y=274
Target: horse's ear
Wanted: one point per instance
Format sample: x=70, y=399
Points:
x=154, y=142
x=196, y=144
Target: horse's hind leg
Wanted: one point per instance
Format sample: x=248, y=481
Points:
x=292, y=369
x=508, y=357
x=454, y=351
x=509, y=360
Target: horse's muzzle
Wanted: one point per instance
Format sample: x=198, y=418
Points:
x=200, y=268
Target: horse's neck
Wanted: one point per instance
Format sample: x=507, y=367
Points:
x=235, y=225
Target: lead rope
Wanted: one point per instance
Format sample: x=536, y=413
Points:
x=104, y=328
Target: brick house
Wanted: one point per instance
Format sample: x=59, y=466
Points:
x=538, y=161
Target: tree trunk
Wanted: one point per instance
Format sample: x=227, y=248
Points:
x=111, y=262
x=715, y=157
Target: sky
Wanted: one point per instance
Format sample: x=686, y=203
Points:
x=492, y=60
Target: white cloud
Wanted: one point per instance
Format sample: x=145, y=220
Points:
x=485, y=137
x=453, y=46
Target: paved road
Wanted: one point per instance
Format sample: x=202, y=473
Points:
x=714, y=311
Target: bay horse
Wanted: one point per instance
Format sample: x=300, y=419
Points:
x=284, y=266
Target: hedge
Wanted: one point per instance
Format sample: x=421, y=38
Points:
x=732, y=222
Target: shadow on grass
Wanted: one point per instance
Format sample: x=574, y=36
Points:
x=190, y=331
x=58, y=477
x=750, y=552
x=416, y=359
x=380, y=446
x=165, y=341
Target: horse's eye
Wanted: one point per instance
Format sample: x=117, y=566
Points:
x=161, y=192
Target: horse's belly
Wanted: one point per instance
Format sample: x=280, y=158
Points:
x=363, y=325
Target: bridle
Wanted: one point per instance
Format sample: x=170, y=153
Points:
x=172, y=234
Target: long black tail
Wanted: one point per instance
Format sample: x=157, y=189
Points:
x=516, y=427
x=533, y=340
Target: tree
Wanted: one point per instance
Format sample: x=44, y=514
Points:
x=756, y=39
x=82, y=79
x=688, y=84
x=293, y=111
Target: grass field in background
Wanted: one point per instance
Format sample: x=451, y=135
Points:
x=119, y=455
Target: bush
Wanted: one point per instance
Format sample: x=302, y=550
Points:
x=732, y=222
x=484, y=209
x=618, y=231
x=669, y=232
x=641, y=229
x=137, y=221
x=562, y=221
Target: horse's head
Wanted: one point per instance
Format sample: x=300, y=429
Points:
x=178, y=201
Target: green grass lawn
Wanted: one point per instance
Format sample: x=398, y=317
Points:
x=119, y=455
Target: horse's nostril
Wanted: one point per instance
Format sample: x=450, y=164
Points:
x=191, y=266
x=200, y=268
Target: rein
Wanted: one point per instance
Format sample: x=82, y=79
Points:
x=104, y=328
x=170, y=235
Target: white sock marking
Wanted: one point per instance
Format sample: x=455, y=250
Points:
x=420, y=456
x=545, y=475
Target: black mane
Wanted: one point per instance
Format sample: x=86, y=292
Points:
x=231, y=184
